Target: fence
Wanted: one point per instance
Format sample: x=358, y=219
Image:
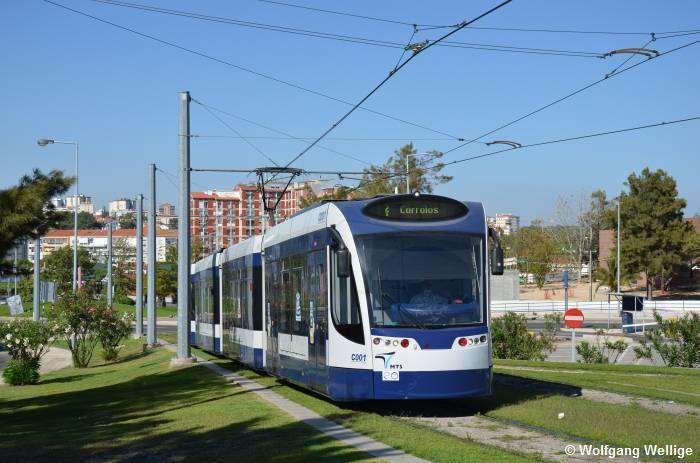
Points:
x=596, y=306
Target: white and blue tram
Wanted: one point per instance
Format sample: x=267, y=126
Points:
x=385, y=298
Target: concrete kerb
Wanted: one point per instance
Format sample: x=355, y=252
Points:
x=300, y=413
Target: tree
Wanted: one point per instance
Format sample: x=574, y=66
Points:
x=26, y=209
x=655, y=238
x=128, y=221
x=58, y=267
x=535, y=250
x=310, y=198
x=166, y=276
x=124, y=269
x=607, y=275
x=85, y=221
x=391, y=176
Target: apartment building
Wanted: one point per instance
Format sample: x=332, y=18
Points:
x=505, y=223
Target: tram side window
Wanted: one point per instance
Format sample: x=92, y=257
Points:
x=346, y=306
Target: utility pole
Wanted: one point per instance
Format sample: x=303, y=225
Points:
x=619, y=229
x=37, y=260
x=151, y=250
x=183, y=233
x=109, y=264
x=139, y=266
x=590, y=263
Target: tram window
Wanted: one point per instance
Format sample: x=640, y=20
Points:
x=346, y=306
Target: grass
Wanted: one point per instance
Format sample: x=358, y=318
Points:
x=378, y=422
x=141, y=410
x=677, y=384
x=585, y=420
x=165, y=312
x=620, y=425
x=27, y=306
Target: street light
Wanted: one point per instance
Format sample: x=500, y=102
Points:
x=408, y=173
x=48, y=141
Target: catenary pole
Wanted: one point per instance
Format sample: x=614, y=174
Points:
x=110, y=226
x=590, y=263
x=139, y=266
x=619, y=229
x=151, y=250
x=183, y=231
x=37, y=261
x=75, y=222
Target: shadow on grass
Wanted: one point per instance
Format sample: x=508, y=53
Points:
x=150, y=418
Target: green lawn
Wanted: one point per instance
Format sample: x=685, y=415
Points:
x=141, y=410
x=677, y=384
x=27, y=306
x=166, y=312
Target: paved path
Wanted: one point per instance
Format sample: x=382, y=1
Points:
x=313, y=419
x=55, y=359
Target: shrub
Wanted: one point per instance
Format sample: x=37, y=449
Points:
x=512, y=340
x=27, y=341
x=20, y=372
x=552, y=323
x=602, y=350
x=112, y=330
x=78, y=317
x=677, y=341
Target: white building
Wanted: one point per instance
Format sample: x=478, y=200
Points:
x=119, y=207
x=68, y=203
x=505, y=223
x=95, y=241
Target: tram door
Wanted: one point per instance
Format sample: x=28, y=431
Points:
x=272, y=313
x=318, y=319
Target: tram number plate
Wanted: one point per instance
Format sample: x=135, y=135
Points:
x=390, y=375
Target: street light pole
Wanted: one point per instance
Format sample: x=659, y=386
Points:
x=408, y=172
x=48, y=141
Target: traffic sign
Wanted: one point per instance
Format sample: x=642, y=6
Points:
x=573, y=318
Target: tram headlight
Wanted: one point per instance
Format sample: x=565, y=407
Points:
x=396, y=342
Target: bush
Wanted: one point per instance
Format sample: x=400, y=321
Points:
x=677, y=341
x=112, y=330
x=512, y=340
x=20, y=372
x=78, y=315
x=552, y=323
x=26, y=341
x=602, y=350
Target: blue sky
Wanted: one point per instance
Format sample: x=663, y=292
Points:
x=68, y=77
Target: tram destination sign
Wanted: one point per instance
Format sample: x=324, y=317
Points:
x=415, y=208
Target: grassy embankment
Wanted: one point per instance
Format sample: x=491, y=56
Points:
x=141, y=410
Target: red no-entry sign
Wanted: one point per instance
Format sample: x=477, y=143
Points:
x=573, y=318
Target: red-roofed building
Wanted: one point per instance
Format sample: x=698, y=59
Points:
x=95, y=241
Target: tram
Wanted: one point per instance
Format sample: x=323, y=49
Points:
x=382, y=298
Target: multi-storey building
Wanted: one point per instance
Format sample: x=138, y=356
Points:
x=506, y=223
x=68, y=203
x=95, y=241
x=119, y=207
x=222, y=218
x=166, y=216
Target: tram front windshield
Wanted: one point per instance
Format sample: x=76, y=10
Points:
x=423, y=280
